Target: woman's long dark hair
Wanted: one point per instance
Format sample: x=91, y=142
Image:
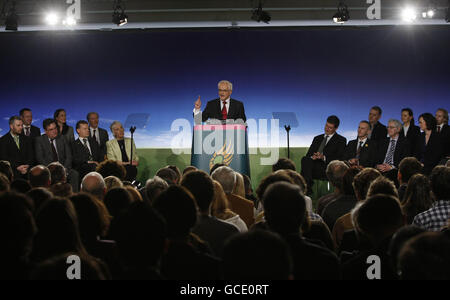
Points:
x=418, y=197
x=410, y=113
x=65, y=127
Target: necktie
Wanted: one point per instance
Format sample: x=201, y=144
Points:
x=358, y=151
x=390, y=154
x=55, y=154
x=322, y=145
x=95, y=136
x=439, y=129
x=224, y=110
x=27, y=131
x=87, y=148
x=16, y=139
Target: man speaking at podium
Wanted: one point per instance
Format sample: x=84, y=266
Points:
x=222, y=108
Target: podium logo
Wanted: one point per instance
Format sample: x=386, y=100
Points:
x=223, y=156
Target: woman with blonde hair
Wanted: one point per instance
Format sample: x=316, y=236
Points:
x=220, y=209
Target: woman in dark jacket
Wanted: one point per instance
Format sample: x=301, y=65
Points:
x=63, y=129
x=429, y=146
x=409, y=130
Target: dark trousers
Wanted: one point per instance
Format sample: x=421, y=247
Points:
x=313, y=169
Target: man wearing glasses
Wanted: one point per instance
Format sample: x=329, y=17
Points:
x=222, y=108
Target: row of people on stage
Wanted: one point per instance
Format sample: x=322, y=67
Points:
x=380, y=146
x=24, y=146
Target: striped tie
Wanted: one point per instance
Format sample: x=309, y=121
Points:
x=390, y=155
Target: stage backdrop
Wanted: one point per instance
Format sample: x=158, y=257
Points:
x=158, y=75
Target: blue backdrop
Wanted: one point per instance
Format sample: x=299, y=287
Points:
x=312, y=72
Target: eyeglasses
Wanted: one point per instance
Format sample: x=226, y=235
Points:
x=224, y=90
x=391, y=127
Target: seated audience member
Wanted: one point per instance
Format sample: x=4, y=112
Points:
x=51, y=147
x=154, y=187
x=61, y=190
x=382, y=185
x=20, y=186
x=238, y=204
x=177, y=171
x=141, y=238
x=377, y=130
x=361, y=184
x=220, y=209
x=398, y=240
x=409, y=130
x=57, y=172
x=208, y=228
x=285, y=211
x=40, y=176
x=112, y=168
x=94, y=184
x=406, y=169
x=182, y=261
x=112, y=182
x=335, y=172
x=5, y=169
x=418, y=197
x=343, y=204
x=169, y=175
x=247, y=256
x=55, y=268
x=93, y=223
x=85, y=151
x=435, y=218
x=29, y=130
x=135, y=195
x=39, y=196
x=189, y=169
x=98, y=134
x=64, y=130
x=283, y=164
x=17, y=229
x=215, y=167
x=429, y=150
x=117, y=201
x=324, y=149
x=362, y=150
x=391, y=150
x=4, y=183
x=119, y=149
x=444, y=131
x=17, y=148
x=239, y=188
x=425, y=257
x=249, y=190
x=377, y=219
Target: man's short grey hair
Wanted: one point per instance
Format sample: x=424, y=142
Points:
x=112, y=182
x=335, y=172
x=93, y=183
x=229, y=84
x=114, y=124
x=154, y=186
x=226, y=177
x=397, y=123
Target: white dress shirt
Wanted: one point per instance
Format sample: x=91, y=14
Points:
x=96, y=136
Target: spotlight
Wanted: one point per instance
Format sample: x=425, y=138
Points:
x=342, y=15
x=11, y=21
x=52, y=18
x=429, y=12
x=260, y=15
x=69, y=21
x=119, y=17
x=409, y=14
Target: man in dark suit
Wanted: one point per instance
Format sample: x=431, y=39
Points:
x=17, y=149
x=361, y=151
x=392, y=150
x=100, y=135
x=27, y=118
x=444, y=132
x=377, y=130
x=324, y=148
x=85, y=150
x=52, y=147
x=222, y=108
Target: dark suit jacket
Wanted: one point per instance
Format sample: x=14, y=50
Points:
x=213, y=111
x=34, y=131
x=334, y=149
x=80, y=156
x=44, y=154
x=431, y=153
x=411, y=136
x=103, y=135
x=16, y=157
x=367, y=155
x=402, y=150
x=379, y=132
x=445, y=139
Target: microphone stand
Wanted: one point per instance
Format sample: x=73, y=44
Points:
x=132, y=130
x=288, y=128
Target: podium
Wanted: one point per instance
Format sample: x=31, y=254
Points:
x=227, y=144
